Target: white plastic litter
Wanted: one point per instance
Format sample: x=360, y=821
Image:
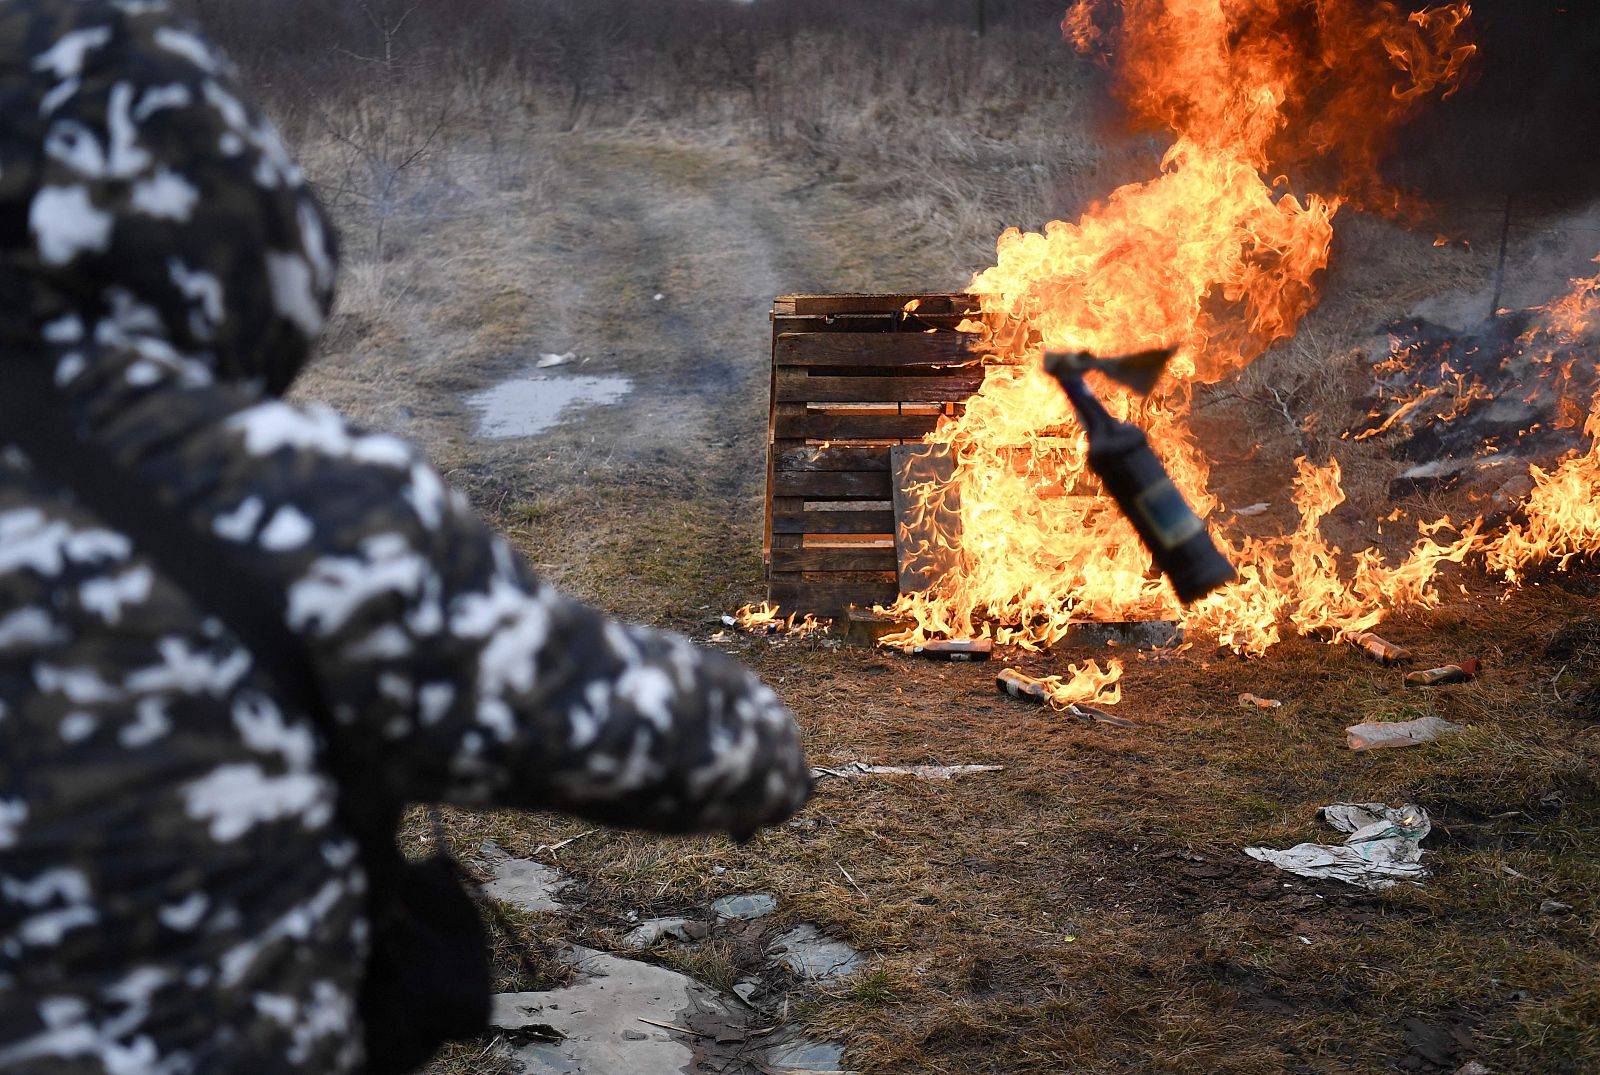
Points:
x=921, y=772
x=1383, y=847
x=547, y=361
x=1407, y=733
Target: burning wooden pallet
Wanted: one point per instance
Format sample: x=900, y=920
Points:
x=857, y=381
x=853, y=376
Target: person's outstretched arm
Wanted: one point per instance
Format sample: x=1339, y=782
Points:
x=452, y=668
x=173, y=267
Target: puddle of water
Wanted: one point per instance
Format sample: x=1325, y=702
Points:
x=535, y=403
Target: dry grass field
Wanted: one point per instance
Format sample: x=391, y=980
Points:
x=1089, y=908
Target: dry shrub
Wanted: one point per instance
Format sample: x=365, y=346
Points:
x=967, y=132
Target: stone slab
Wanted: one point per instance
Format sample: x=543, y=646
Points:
x=525, y=885
x=815, y=956
x=600, y=1016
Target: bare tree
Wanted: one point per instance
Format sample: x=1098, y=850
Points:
x=388, y=132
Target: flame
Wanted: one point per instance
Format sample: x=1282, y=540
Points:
x=1561, y=515
x=1085, y=683
x=768, y=619
x=1210, y=256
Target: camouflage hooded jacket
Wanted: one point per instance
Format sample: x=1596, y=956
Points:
x=177, y=894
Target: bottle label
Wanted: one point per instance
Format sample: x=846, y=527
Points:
x=1171, y=519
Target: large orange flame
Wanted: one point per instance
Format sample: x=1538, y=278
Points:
x=1211, y=256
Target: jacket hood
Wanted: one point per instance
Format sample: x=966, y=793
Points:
x=144, y=203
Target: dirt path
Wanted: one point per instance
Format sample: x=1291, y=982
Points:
x=638, y=503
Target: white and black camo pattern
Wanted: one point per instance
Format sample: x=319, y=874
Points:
x=176, y=892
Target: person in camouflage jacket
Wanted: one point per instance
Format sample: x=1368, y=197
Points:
x=177, y=893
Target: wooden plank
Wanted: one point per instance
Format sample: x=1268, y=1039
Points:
x=927, y=512
x=975, y=374
x=800, y=386
x=877, y=303
x=816, y=425
x=874, y=324
x=830, y=522
x=833, y=457
x=777, y=414
x=849, y=349
x=868, y=559
x=831, y=599
x=832, y=484
x=776, y=539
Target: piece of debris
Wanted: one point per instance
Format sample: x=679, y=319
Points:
x=1380, y=650
x=1436, y=1043
x=650, y=932
x=956, y=649
x=559, y=844
x=605, y=1018
x=1085, y=711
x=549, y=361
x=624, y=1015
x=767, y=619
x=1472, y=1067
x=1448, y=673
x=746, y=991
x=522, y=883
x=1383, y=847
x=815, y=956
x=1255, y=701
x=1376, y=648
x=922, y=772
x=1081, y=685
x=864, y=627
x=1252, y=511
x=806, y=1056
x=1555, y=907
x=1406, y=733
x=1017, y=685
x=659, y=296
x=745, y=908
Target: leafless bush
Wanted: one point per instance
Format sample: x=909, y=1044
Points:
x=967, y=114
x=781, y=63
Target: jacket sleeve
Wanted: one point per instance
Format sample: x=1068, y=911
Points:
x=452, y=668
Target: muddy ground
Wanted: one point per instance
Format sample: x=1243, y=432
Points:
x=1088, y=908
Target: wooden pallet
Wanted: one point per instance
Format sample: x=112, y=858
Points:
x=852, y=376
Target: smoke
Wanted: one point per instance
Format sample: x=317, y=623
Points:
x=1527, y=123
